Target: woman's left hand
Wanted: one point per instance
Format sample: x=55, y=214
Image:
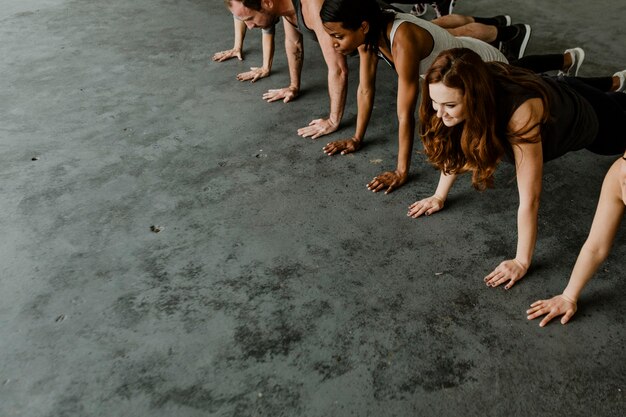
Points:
x=510, y=270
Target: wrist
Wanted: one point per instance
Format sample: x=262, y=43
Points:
x=334, y=120
x=571, y=294
x=401, y=172
x=441, y=199
x=568, y=298
x=523, y=265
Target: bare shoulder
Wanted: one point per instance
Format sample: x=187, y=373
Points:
x=527, y=116
x=311, y=13
x=412, y=40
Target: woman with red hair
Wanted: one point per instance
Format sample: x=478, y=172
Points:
x=474, y=114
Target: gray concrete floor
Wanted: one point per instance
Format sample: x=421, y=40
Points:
x=279, y=286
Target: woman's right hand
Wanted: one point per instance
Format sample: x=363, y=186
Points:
x=554, y=307
x=342, y=146
x=426, y=206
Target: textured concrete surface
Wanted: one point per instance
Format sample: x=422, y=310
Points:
x=278, y=286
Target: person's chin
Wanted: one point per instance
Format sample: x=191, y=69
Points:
x=346, y=52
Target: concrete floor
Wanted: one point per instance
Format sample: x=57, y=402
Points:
x=279, y=286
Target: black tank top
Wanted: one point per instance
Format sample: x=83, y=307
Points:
x=572, y=124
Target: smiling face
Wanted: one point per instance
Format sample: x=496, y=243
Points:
x=346, y=41
x=253, y=18
x=448, y=103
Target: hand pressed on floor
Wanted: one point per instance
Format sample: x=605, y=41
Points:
x=510, y=270
x=387, y=181
x=228, y=54
x=317, y=128
x=285, y=94
x=554, y=307
x=255, y=73
x=426, y=206
x=344, y=146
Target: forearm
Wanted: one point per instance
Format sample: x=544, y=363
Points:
x=406, y=131
x=268, y=51
x=526, y=233
x=337, y=91
x=365, y=104
x=605, y=225
x=588, y=262
x=295, y=57
x=444, y=186
x=240, y=34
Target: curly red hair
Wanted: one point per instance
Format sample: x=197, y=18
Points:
x=472, y=145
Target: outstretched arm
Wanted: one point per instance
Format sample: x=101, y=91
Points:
x=237, y=51
x=528, y=168
x=337, y=75
x=256, y=73
x=368, y=62
x=295, y=56
x=605, y=224
x=407, y=52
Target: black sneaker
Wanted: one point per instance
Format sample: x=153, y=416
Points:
x=514, y=48
x=443, y=8
x=502, y=20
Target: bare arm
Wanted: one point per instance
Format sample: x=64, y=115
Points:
x=337, y=74
x=295, y=56
x=268, y=51
x=237, y=51
x=256, y=73
x=529, y=168
x=605, y=225
x=368, y=62
x=409, y=47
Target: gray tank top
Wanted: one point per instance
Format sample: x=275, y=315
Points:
x=442, y=40
x=301, y=27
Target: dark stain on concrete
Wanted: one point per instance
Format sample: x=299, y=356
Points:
x=37, y=306
x=258, y=344
x=195, y=396
x=69, y=406
x=130, y=309
x=333, y=368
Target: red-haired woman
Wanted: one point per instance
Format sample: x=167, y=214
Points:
x=474, y=114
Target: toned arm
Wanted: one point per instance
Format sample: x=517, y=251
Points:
x=606, y=221
x=529, y=168
x=410, y=45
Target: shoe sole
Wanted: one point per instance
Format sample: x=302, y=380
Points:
x=580, y=61
x=524, y=43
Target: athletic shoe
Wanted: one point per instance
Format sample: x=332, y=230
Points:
x=419, y=9
x=502, y=20
x=622, y=81
x=578, y=56
x=514, y=48
x=443, y=8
